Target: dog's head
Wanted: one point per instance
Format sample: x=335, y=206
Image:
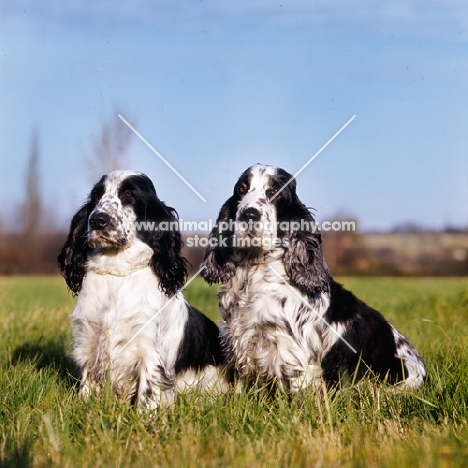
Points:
x=122, y=207
x=264, y=214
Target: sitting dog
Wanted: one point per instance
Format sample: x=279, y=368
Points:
x=287, y=320
x=131, y=324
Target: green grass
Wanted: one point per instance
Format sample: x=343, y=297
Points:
x=44, y=423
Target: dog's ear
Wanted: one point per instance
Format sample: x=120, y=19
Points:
x=73, y=253
x=167, y=261
x=218, y=262
x=304, y=258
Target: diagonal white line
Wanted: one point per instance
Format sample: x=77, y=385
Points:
x=310, y=307
x=162, y=308
x=312, y=158
x=162, y=158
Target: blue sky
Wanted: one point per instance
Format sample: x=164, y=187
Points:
x=218, y=86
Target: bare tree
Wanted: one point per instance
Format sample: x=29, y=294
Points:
x=31, y=210
x=109, y=149
x=31, y=246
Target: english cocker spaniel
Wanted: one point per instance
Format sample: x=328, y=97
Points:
x=286, y=320
x=131, y=324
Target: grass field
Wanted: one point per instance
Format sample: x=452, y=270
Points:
x=44, y=423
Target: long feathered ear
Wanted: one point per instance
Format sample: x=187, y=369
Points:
x=219, y=265
x=304, y=258
x=167, y=261
x=73, y=254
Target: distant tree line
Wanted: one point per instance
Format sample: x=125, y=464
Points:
x=408, y=249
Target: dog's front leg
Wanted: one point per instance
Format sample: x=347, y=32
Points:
x=311, y=376
x=155, y=388
x=87, y=385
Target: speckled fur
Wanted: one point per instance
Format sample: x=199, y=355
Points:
x=286, y=320
x=131, y=324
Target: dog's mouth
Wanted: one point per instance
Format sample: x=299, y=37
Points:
x=104, y=232
x=254, y=228
x=254, y=240
x=249, y=233
x=106, y=240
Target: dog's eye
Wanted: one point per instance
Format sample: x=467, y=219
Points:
x=128, y=197
x=271, y=192
x=242, y=189
x=95, y=195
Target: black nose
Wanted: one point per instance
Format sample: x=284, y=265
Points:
x=99, y=221
x=250, y=214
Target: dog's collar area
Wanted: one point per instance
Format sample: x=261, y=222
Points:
x=123, y=271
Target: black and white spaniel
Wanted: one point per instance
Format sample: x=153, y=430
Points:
x=131, y=325
x=287, y=320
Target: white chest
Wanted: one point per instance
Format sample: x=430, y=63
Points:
x=273, y=330
x=121, y=322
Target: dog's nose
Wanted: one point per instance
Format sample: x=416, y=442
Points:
x=250, y=214
x=99, y=221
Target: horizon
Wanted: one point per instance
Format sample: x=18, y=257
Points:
x=230, y=85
